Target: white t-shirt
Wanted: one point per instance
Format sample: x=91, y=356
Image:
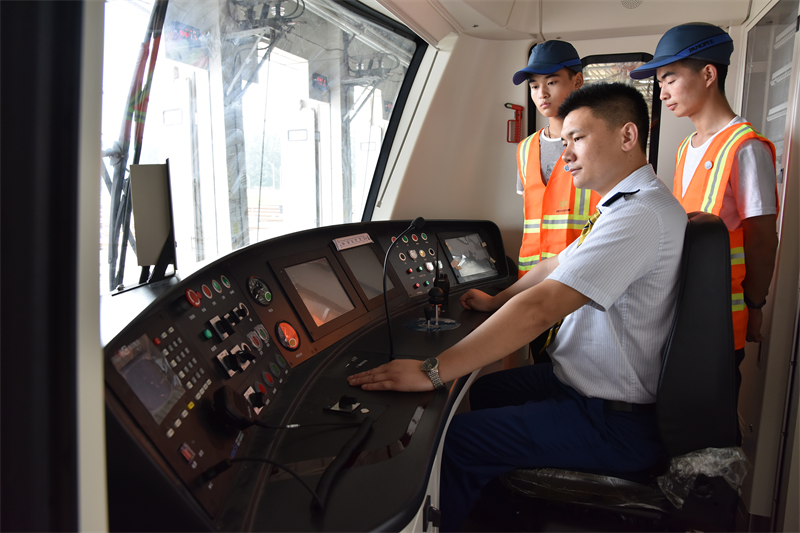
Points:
x=751, y=188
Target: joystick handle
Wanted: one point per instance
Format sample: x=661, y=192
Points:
x=436, y=296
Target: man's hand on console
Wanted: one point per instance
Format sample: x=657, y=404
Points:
x=400, y=375
x=478, y=301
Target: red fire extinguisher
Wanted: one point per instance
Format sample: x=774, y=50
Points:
x=514, y=128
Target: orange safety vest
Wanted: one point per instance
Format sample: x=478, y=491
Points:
x=706, y=192
x=554, y=214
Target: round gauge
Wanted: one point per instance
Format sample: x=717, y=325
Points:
x=259, y=291
x=287, y=336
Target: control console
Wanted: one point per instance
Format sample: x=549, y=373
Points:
x=272, y=331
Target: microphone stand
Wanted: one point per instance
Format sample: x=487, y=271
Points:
x=417, y=223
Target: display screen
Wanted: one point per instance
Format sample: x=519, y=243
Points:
x=367, y=269
x=321, y=291
x=470, y=259
x=149, y=375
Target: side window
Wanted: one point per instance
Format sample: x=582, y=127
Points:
x=273, y=115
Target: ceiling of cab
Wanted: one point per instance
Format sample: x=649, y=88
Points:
x=565, y=19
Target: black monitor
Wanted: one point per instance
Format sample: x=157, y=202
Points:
x=364, y=266
x=469, y=257
x=319, y=291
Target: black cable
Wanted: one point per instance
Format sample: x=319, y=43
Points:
x=326, y=481
x=225, y=464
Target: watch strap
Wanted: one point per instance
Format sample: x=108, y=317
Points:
x=749, y=303
x=433, y=373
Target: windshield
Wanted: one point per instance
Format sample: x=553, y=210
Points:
x=272, y=115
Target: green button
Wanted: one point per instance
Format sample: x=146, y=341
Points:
x=424, y=236
x=427, y=283
x=226, y=282
x=405, y=239
x=419, y=269
x=275, y=370
x=207, y=334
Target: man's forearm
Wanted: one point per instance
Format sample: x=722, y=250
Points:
x=534, y=276
x=515, y=324
x=760, y=244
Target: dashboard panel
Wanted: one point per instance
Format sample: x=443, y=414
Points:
x=268, y=335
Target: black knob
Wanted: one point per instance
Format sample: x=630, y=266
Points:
x=257, y=399
x=436, y=296
x=232, y=362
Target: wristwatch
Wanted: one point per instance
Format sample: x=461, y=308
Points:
x=749, y=303
x=431, y=367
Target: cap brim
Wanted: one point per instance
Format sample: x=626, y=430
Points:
x=539, y=68
x=649, y=69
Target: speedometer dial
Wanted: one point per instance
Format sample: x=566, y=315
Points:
x=259, y=291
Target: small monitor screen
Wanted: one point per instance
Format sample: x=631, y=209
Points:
x=367, y=269
x=149, y=375
x=470, y=260
x=321, y=291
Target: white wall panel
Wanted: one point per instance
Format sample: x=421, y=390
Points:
x=456, y=162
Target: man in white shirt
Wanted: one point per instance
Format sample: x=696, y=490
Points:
x=616, y=286
x=726, y=167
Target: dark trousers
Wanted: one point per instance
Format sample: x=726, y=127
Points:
x=526, y=418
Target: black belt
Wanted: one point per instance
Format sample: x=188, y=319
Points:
x=625, y=407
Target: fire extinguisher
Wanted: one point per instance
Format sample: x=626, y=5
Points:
x=514, y=128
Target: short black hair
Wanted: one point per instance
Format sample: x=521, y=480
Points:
x=696, y=65
x=615, y=103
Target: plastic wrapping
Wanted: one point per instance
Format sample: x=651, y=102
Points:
x=728, y=463
x=664, y=493
x=583, y=488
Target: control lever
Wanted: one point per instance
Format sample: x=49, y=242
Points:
x=233, y=408
x=435, y=298
x=428, y=315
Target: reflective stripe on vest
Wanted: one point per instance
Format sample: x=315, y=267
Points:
x=554, y=214
x=706, y=192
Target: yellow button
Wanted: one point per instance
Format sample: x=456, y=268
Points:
x=191, y=405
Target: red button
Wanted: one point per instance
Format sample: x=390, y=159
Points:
x=410, y=271
x=414, y=237
x=156, y=341
x=207, y=292
x=193, y=298
x=416, y=285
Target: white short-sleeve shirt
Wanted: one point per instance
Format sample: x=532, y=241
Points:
x=751, y=188
x=629, y=267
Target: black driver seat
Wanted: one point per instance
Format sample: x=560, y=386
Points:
x=696, y=404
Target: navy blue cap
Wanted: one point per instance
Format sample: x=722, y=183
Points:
x=549, y=57
x=696, y=40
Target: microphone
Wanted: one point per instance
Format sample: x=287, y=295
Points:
x=417, y=223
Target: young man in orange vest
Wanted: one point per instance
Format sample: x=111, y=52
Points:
x=555, y=211
x=726, y=167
